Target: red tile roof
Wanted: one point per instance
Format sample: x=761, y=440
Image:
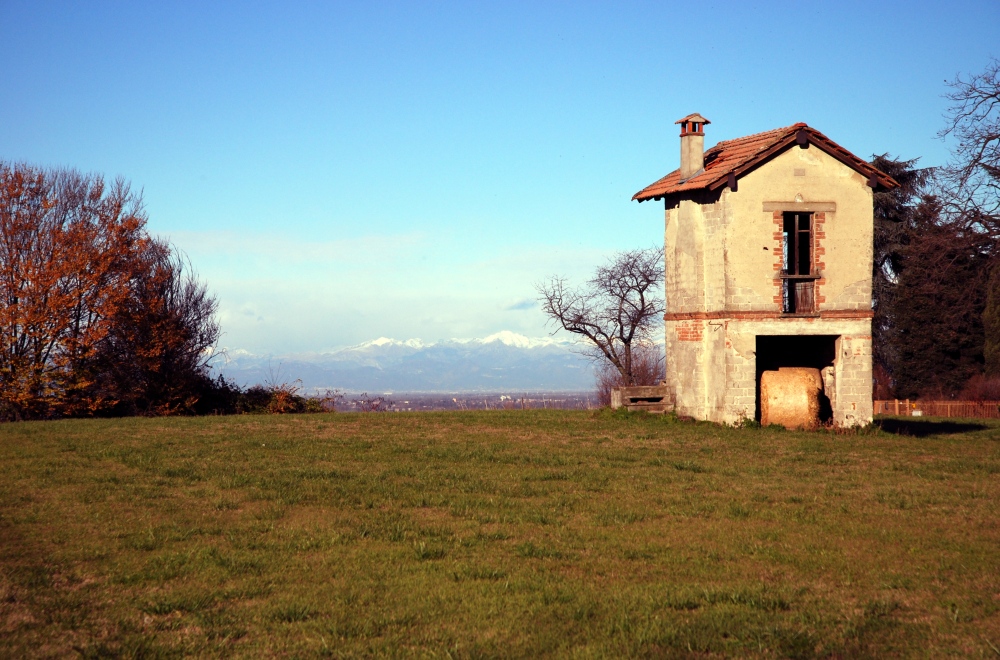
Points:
x=743, y=154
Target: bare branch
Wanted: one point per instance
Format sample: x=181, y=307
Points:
x=617, y=308
x=972, y=179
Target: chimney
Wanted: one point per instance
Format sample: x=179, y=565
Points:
x=692, y=144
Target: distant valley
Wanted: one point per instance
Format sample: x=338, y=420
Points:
x=502, y=362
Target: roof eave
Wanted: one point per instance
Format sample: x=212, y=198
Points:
x=820, y=141
x=802, y=135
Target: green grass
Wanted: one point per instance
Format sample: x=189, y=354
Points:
x=470, y=534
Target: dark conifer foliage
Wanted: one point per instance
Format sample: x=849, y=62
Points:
x=937, y=339
x=971, y=180
x=894, y=218
x=991, y=326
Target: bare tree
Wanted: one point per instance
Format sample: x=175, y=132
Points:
x=615, y=311
x=972, y=178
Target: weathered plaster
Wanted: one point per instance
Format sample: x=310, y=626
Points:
x=722, y=257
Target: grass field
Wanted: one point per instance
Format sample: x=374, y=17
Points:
x=497, y=533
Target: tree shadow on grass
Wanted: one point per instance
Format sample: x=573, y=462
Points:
x=923, y=428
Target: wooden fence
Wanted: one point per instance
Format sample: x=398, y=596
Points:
x=990, y=409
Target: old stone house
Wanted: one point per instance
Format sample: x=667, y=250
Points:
x=768, y=247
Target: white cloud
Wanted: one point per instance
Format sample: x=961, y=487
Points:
x=280, y=294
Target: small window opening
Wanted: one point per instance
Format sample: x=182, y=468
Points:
x=797, y=276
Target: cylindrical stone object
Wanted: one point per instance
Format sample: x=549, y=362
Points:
x=790, y=397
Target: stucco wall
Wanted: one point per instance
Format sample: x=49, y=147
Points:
x=722, y=258
x=808, y=180
x=712, y=372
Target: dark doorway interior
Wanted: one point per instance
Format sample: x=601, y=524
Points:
x=816, y=351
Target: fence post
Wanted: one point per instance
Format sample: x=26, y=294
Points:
x=897, y=407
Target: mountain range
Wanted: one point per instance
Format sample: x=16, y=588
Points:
x=503, y=362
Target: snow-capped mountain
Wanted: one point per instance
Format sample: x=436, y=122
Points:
x=504, y=361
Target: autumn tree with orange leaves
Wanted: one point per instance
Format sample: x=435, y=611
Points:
x=80, y=283
x=155, y=354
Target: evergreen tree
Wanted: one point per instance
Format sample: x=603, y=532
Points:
x=894, y=211
x=937, y=310
x=991, y=325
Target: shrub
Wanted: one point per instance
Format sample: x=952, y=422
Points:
x=981, y=388
x=374, y=404
x=647, y=369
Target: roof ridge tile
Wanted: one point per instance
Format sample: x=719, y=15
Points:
x=737, y=155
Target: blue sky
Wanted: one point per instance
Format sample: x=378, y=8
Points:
x=343, y=171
